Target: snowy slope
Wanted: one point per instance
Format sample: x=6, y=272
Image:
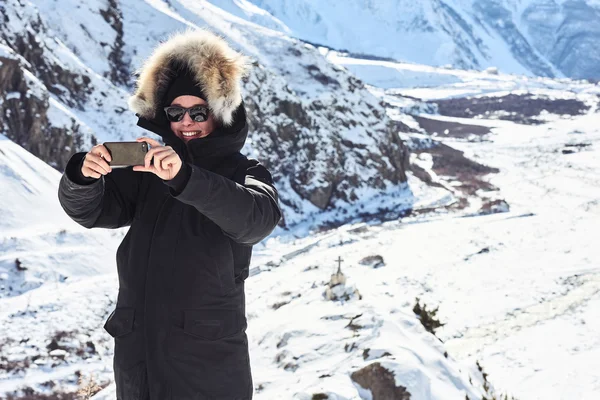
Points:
x=35, y=230
x=535, y=37
x=288, y=352
x=517, y=291
x=68, y=314
x=44, y=330
x=429, y=83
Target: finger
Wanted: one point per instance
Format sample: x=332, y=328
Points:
x=98, y=168
x=151, y=153
x=97, y=164
x=148, y=157
x=169, y=161
x=93, y=159
x=160, y=153
x=102, y=151
x=141, y=168
x=164, y=153
x=158, y=161
x=90, y=173
x=102, y=162
x=99, y=155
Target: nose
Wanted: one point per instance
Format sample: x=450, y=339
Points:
x=187, y=120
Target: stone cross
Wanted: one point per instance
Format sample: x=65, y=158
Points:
x=339, y=261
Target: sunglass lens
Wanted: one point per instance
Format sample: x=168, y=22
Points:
x=175, y=114
x=199, y=114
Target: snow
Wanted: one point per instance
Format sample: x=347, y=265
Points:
x=74, y=311
x=59, y=115
x=518, y=291
x=7, y=52
x=465, y=34
x=84, y=38
x=430, y=83
x=539, y=270
x=12, y=95
x=537, y=277
x=36, y=231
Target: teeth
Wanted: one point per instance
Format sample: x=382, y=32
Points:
x=190, y=133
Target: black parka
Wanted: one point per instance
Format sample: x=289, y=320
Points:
x=179, y=322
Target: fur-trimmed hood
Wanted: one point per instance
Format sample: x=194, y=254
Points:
x=217, y=68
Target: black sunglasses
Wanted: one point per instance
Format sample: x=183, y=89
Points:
x=176, y=113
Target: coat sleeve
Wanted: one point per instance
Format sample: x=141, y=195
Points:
x=246, y=213
x=107, y=202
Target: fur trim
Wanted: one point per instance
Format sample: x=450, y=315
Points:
x=218, y=69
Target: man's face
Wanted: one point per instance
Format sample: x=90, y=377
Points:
x=188, y=129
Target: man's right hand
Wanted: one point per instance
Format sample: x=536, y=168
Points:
x=95, y=162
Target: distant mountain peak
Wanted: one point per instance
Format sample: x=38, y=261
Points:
x=532, y=37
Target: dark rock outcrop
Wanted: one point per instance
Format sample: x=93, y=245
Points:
x=30, y=72
x=24, y=116
x=513, y=107
x=119, y=62
x=72, y=88
x=298, y=142
x=380, y=382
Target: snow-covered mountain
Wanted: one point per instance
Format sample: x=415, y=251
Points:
x=314, y=125
x=497, y=199
x=533, y=37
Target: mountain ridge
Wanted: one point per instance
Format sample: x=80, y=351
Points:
x=533, y=37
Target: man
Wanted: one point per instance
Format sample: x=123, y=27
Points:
x=195, y=209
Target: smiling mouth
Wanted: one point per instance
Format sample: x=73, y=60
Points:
x=192, y=134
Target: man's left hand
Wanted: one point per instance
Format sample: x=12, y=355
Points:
x=167, y=162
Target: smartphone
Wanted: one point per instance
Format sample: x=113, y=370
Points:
x=126, y=154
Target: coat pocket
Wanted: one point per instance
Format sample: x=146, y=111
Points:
x=209, y=355
x=128, y=334
x=212, y=323
x=209, y=360
x=120, y=322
